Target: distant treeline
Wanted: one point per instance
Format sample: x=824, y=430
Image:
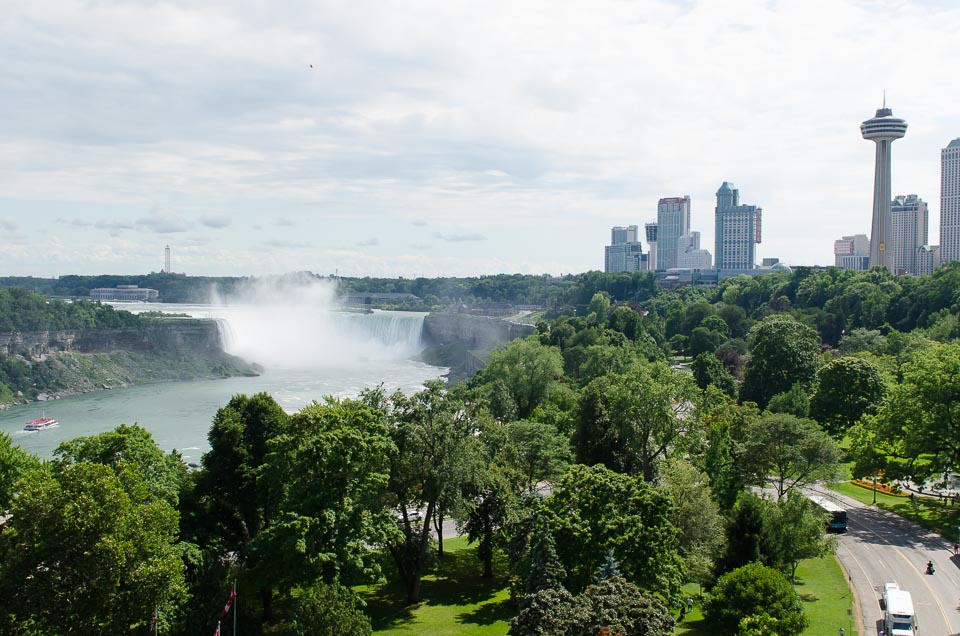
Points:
x=173, y=288
x=831, y=300
x=23, y=310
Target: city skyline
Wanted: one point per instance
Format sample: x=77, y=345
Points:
x=429, y=139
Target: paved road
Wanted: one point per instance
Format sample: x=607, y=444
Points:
x=879, y=547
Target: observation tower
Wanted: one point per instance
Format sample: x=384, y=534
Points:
x=883, y=129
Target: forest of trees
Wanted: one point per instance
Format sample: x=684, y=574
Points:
x=651, y=470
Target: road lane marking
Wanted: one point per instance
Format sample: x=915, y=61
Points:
x=936, y=597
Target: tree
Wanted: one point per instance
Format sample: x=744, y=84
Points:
x=593, y=510
x=847, y=389
x=331, y=466
x=746, y=534
x=489, y=501
x=783, y=352
x=329, y=610
x=527, y=369
x=725, y=425
x=437, y=453
x=536, y=451
x=707, y=370
x=612, y=606
x=795, y=530
x=791, y=450
x=546, y=571
x=696, y=515
x=917, y=430
x=14, y=462
x=629, y=422
x=599, y=307
x=755, y=590
x=616, y=606
x=235, y=477
x=548, y=612
x=88, y=549
x=794, y=402
x=165, y=474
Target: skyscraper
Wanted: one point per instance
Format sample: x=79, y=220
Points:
x=624, y=254
x=737, y=231
x=652, y=243
x=166, y=260
x=673, y=221
x=950, y=202
x=908, y=231
x=882, y=129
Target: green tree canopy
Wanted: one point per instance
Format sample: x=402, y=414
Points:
x=916, y=432
x=755, y=590
x=847, y=389
x=164, y=474
x=629, y=422
x=788, y=450
x=88, y=549
x=593, y=510
x=14, y=462
x=527, y=370
x=783, y=352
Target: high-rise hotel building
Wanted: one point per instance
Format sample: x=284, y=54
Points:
x=624, y=253
x=737, y=231
x=950, y=202
x=673, y=221
x=908, y=231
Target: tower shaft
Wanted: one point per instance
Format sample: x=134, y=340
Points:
x=880, y=252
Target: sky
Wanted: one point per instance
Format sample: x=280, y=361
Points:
x=449, y=138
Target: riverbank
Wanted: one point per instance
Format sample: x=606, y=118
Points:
x=72, y=373
x=49, y=365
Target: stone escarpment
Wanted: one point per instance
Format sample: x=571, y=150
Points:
x=464, y=342
x=49, y=364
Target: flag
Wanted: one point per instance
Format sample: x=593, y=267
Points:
x=217, y=633
x=233, y=595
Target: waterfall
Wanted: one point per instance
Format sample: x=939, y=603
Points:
x=401, y=332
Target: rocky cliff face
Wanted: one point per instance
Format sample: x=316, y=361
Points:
x=464, y=343
x=50, y=364
x=198, y=336
x=476, y=332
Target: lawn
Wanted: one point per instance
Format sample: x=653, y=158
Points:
x=827, y=601
x=934, y=515
x=457, y=600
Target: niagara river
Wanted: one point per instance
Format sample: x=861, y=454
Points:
x=307, y=350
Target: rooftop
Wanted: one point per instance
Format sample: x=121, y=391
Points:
x=954, y=144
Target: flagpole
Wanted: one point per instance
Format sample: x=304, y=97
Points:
x=156, y=619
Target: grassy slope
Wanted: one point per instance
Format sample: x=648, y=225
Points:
x=459, y=601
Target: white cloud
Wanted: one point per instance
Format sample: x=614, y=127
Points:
x=537, y=137
x=162, y=221
x=7, y=224
x=368, y=242
x=460, y=238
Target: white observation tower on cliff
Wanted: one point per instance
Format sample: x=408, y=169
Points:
x=883, y=129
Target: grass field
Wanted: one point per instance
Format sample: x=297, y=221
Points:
x=938, y=516
x=457, y=600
